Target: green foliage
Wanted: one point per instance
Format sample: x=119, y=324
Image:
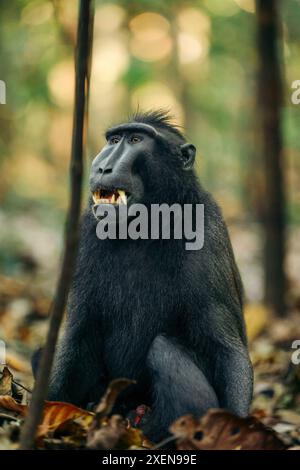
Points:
x=138, y=73
x=217, y=97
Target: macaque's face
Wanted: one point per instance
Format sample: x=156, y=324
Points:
x=114, y=176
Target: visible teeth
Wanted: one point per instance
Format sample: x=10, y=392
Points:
x=122, y=196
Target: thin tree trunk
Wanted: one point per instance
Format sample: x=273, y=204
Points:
x=270, y=99
x=83, y=54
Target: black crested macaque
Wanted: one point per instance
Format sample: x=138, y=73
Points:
x=150, y=310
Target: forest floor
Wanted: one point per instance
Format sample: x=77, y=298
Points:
x=275, y=414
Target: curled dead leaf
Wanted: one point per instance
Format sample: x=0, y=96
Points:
x=9, y=403
x=219, y=429
x=108, y=400
x=55, y=415
x=58, y=413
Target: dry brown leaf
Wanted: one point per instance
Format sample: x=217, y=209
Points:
x=109, y=398
x=219, y=429
x=57, y=413
x=6, y=382
x=8, y=403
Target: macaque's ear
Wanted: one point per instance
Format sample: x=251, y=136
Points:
x=188, y=152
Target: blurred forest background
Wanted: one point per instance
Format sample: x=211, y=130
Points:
x=199, y=59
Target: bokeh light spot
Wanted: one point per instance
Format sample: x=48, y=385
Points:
x=190, y=48
x=109, y=18
x=193, y=21
x=150, y=39
x=110, y=59
x=61, y=83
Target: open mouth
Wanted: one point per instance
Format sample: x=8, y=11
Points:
x=110, y=196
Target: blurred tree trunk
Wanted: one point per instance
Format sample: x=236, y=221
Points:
x=176, y=78
x=270, y=98
x=82, y=76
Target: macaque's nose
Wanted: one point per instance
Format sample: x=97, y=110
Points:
x=108, y=160
x=104, y=168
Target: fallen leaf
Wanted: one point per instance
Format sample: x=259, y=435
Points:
x=8, y=403
x=57, y=413
x=219, y=429
x=109, y=398
x=6, y=382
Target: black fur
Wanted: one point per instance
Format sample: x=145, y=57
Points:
x=149, y=310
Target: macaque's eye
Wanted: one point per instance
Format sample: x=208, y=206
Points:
x=114, y=139
x=135, y=139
